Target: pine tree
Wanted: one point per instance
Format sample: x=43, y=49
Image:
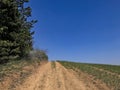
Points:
x=8, y=28
x=15, y=34
x=26, y=35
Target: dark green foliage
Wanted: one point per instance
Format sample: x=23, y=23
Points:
x=26, y=35
x=9, y=48
x=15, y=34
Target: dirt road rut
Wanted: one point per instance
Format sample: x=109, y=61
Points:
x=57, y=77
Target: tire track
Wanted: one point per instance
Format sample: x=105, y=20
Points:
x=58, y=78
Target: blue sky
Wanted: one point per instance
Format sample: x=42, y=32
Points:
x=78, y=30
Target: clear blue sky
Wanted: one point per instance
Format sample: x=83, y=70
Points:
x=78, y=30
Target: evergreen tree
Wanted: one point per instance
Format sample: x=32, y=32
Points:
x=9, y=48
x=15, y=34
x=26, y=35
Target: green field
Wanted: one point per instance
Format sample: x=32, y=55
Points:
x=109, y=74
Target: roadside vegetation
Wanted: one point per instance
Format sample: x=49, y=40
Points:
x=16, y=36
x=18, y=58
x=14, y=73
x=53, y=64
x=34, y=60
x=101, y=72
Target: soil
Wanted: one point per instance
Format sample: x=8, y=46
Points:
x=47, y=77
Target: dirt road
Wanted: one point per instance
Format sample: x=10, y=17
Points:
x=49, y=77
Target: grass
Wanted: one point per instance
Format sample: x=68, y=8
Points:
x=53, y=65
x=14, y=66
x=16, y=71
x=111, y=68
x=111, y=80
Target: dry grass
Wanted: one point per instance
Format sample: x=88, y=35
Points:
x=14, y=73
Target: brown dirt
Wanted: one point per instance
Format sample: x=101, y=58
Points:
x=14, y=78
x=60, y=78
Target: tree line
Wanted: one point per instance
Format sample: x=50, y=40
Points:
x=16, y=37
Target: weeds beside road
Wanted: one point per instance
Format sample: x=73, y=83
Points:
x=14, y=73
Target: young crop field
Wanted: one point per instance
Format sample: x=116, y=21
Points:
x=111, y=68
x=109, y=74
